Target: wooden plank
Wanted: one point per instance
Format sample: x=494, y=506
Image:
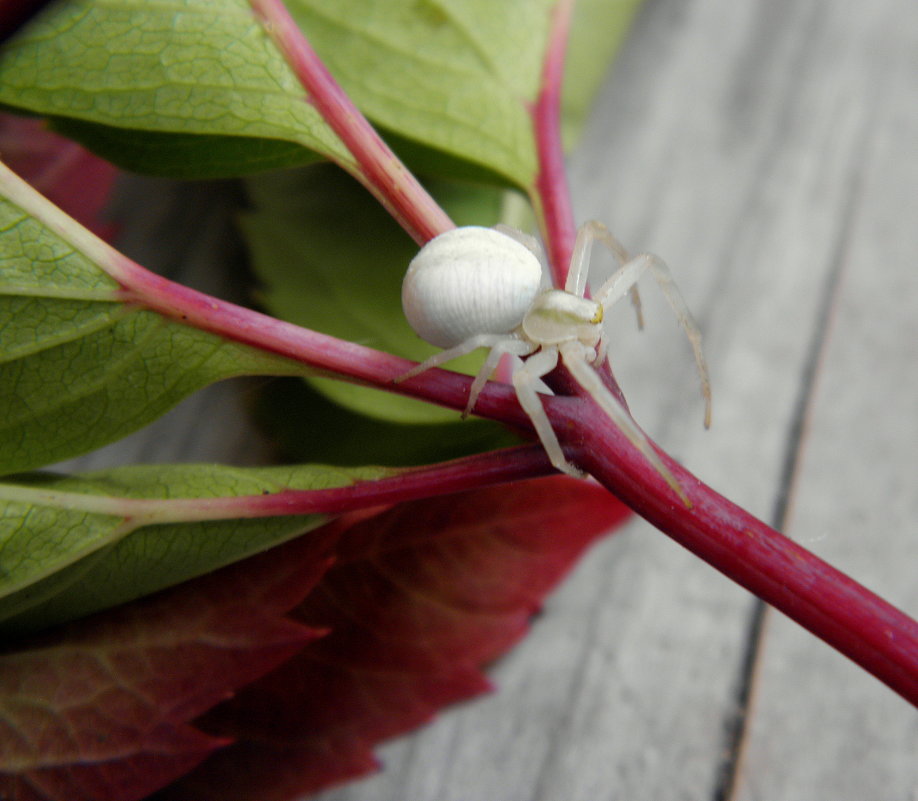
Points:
x=728, y=142
x=821, y=728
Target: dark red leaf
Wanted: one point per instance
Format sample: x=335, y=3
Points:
x=15, y=13
x=421, y=596
x=98, y=710
x=64, y=172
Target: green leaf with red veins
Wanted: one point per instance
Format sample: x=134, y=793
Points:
x=203, y=91
x=80, y=365
x=70, y=546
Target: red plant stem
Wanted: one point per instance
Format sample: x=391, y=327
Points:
x=401, y=485
x=310, y=352
x=551, y=197
x=378, y=168
x=829, y=604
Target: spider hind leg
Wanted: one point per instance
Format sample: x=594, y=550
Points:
x=515, y=347
x=627, y=276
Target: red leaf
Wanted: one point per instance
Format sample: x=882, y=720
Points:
x=15, y=13
x=64, y=172
x=421, y=596
x=97, y=710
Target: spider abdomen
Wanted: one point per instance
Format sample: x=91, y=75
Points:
x=469, y=281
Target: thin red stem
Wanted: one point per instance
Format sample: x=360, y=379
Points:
x=314, y=352
x=552, y=198
x=446, y=478
x=377, y=167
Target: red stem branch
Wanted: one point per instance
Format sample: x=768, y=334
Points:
x=832, y=606
x=552, y=199
x=377, y=168
x=446, y=478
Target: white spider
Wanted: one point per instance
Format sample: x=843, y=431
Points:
x=476, y=287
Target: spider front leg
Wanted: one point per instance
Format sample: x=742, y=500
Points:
x=574, y=356
x=579, y=269
x=524, y=382
x=625, y=278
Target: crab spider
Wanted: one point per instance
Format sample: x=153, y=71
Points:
x=474, y=287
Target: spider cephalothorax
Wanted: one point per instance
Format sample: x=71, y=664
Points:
x=476, y=287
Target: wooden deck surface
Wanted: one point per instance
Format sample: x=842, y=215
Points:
x=768, y=150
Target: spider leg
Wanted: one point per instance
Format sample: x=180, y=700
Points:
x=589, y=233
x=516, y=347
x=573, y=355
x=527, y=241
x=626, y=276
x=447, y=355
x=524, y=380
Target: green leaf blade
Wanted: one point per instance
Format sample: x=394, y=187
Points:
x=457, y=77
x=204, y=68
x=69, y=546
x=79, y=367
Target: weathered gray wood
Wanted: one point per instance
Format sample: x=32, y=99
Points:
x=765, y=149
x=821, y=729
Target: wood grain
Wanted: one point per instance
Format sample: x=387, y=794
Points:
x=769, y=152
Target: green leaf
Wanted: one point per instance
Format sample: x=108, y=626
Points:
x=78, y=366
x=189, y=156
x=71, y=546
x=137, y=81
x=196, y=67
x=454, y=76
x=457, y=75
x=309, y=427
